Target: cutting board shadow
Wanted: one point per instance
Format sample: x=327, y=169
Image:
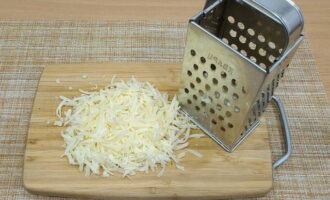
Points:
x=246, y=172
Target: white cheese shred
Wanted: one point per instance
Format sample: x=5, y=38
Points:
x=126, y=127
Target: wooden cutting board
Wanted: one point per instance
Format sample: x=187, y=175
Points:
x=218, y=174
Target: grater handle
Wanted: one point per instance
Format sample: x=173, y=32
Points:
x=286, y=133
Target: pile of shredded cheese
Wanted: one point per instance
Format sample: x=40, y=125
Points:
x=126, y=127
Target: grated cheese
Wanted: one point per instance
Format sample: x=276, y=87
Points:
x=126, y=127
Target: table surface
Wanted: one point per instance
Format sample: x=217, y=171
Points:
x=317, y=17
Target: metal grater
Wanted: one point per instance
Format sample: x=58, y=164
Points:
x=236, y=53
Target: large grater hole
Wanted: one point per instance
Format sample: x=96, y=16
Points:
x=234, y=46
x=232, y=33
x=207, y=87
x=231, y=19
x=236, y=109
x=193, y=52
x=203, y=60
x=240, y=25
x=227, y=102
x=235, y=96
x=203, y=103
x=186, y=90
x=223, y=129
x=213, y=67
x=197, y=108
x=261, y=38
x=223, y=74
x=212, y=110
x=214, y=122
x=201, y=92
x=228, y=114
x=252, y=45
x=242, y=39
x=233, y=82
x=253, y=59
x=192, y=85
x=225, y=40
x=219, y=107
x=215, y=81
x=189, y=101
x=221, y=118
x=217, y=95
x=243, y=52
x=271, y=45
x=230, y=125
x=251, y=32
x=262, y=65
x=198, y=80
x=262, y=52
x=224, y=89
x=271, y=58
x=189, y=73
x=195, y=67
x=194, y=97
x=205, y=74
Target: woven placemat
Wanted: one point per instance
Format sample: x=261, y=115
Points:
x=26, y=47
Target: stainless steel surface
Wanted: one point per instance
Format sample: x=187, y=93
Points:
x=236, y=53
x=286, y=133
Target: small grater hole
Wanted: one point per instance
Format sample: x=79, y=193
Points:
x=241, y=25
x=205, y=74
x=224, y=88
x=186, y=90
x=232, y=33
x=214, y=122
x=207, y=87
x=231, y=19
x=194, y=97
x=251, y=32
x=193, y=52
x=203, y=60
x=197, y=108
x=223, y=128
x=201, y=92
x=271, y=45
x=262, y=65
x=212, y=110
x=217, y=95
x=233, y=82
x=215, y=81
x=210, y=99
x=192, y=85
x=228, y=114
x=189, y=101
x=262, y=52
x=243, y=52
x=213, y=67
x=203, y=103
x=234, y=46
x=253, y=59
x=230, y=125
x=195, y=67
x=189, y=73
x=271, y=58
x=219, y=107
x=223, y=74
x=261, y=38
x=242, y=39
x=280, y=50
x=235, y=96
x=198, y=80
x=252, y=45
x=221, y=118
x=244, y=90
x=225, y=40
x=236, y=109
x=227, y=102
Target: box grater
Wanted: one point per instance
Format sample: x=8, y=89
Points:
x=236, y=53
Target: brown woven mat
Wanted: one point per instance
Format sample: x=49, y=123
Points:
x=26, y=47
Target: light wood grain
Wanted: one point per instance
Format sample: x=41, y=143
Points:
x=246, y=172
x=316, y=12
